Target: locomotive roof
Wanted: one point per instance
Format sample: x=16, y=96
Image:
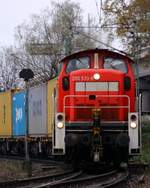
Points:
x=95, y=50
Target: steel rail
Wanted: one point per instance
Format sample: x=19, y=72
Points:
x=77, y=181
x=58, y=182
x=30, y=182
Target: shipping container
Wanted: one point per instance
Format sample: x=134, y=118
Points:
x=5, y=114
x=50, y=107
x=19, y=116
x=37, y=105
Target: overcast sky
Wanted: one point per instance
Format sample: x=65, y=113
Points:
x=14, y=12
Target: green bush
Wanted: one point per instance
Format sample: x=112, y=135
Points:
x=145, y=143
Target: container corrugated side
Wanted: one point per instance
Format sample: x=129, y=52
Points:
x=37, y=99
x=5, y=114
x=50, y=90
x=19, y=116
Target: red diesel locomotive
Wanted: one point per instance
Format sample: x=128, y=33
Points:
x=95, y=109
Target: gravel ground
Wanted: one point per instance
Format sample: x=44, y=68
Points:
x=143, y=180
x=138, y=180
x=11, y=170
x=14, y=169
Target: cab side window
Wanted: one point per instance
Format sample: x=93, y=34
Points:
x=77, y=64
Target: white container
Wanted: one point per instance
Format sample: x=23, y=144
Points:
x=38, y=111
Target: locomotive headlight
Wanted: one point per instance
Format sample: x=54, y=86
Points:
x=60, y=120
x=133, y=125
x=60, y=125
x=96, y=76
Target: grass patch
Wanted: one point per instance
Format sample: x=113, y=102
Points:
x=145, y=143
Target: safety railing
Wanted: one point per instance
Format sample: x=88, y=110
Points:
x=113, y=107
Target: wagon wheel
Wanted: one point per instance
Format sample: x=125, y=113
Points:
x=34, y=150
x=3, y=148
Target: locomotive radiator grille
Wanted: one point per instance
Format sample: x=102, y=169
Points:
x=80, y=107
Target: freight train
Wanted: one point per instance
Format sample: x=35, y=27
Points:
x=13, y=120
x=90, y=112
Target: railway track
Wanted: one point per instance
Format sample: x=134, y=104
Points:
x=45, y=164
x=35, y=181
x=84, y=180
x=68, y=179
x=63, y=177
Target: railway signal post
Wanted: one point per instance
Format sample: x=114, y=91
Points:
x=27, y=74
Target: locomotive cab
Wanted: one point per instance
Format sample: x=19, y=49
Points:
x=95, y=115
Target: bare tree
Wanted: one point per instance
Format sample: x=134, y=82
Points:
x=49, y=36
x=9, y=69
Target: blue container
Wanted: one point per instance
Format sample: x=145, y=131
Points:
x=19, y=117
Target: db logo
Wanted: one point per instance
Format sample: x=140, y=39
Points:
x=18, y=114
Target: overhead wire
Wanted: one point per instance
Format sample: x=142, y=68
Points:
x=103, y=43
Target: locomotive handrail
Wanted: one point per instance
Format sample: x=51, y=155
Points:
x=102, y=106
x=126, y=106
x=92, y=106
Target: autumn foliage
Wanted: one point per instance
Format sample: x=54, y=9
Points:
x=130, y=18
